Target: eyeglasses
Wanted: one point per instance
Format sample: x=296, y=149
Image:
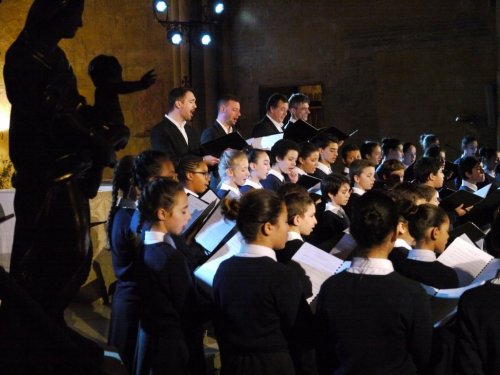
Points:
x=206, y=174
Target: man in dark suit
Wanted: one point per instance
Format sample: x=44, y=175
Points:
x=174, y=136
x=272, y=123
x=227, y=116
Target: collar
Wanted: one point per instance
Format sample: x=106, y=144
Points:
x=277, y=174
x=469, y=185
x=300, y=171
x=225, y=186
x=422, y=255
x=325, y=168
x=187, y=191
x=358, y=190
x=346, y=170
x=337, y=210
x=294, y=236
x=256, y=251
x=152, y=237
x=278, y=125
x=402, y=243
x=371, y=266
x=180, y=125
x=252, y=183
x=224, y=127
x=292, y=120
x=489, y=173
x=496, y=281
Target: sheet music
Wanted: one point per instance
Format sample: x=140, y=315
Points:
x=196, y=207
x=265, y=143
x=466, y=259
x=210, y=196
x=214, y=230
x=483, y=192
x=317, y=264
x=206, y=272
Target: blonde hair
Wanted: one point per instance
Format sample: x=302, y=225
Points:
x=228, y=159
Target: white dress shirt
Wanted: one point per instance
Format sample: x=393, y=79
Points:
x=422, y=255
x=358, y=190
x=470, y=185
x=187, y=191
x=402, y=243
x=277, y=174
x=180, y=126
x=256, y=251
x=294, y=236
x=232, y=189
x=252, y=183
x=278, y=125
x=325, y=168
x=371, y=266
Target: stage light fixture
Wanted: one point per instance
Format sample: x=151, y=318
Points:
x=218, y=7
x=175, y=36
x=205, y=38
x=160, y=6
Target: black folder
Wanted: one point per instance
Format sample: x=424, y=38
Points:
x=470, y=229
x=197, y=218
x=300, y=131
x=308, y=181
x=217, y=146
x=483, y=213
x=339, y=134
x=459, y=197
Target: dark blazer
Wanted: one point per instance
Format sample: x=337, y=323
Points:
x=430, y=273
x=213, y=132
x=329, y=231
x=478, y=329
x=272, y=182
x=166, y=137
x=263, y=128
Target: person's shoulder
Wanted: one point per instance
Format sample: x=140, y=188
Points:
x=405, y=284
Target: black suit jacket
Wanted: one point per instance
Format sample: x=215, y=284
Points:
x=166, y=137
x=213, y=132
x=264, y=128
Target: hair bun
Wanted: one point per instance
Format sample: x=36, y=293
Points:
x=230, y=208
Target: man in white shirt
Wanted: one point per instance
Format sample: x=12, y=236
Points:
x=173, y=135
x=227, y=116
x=272, y=123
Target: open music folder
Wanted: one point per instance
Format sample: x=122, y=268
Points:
x=318, y=266
x=474, y=267
x=265, y=143
x=215, y=228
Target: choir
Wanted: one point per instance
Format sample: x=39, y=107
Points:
x=375, y=315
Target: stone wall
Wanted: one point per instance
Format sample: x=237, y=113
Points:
x=126, y=29
x=389, y=68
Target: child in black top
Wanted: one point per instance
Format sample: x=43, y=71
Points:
x=170, y=337
x=284, y=156
x=332, y=222
x=328, y=147
x=233, y=172
x=301, y=221
x=259, y=165
x=264, y=325
x=126, y=303
x=429, y=227
x=477, y=349
x=371, y=320
x=362, y=176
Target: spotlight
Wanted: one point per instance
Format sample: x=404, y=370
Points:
x=205, y=38
x=175, y=36
x=160, y=6
x=218, y=7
